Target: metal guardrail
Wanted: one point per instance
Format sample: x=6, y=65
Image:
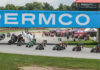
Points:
x=46, y=44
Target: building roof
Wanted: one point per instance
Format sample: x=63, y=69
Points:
x=87, y=1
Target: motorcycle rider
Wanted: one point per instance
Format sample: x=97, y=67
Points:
x=78, y=46
x=8, y=34
x=20, y=37
x=13, y=37
x=98, y=47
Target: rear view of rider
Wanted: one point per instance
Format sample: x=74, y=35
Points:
x=20, y=37
x=98, y=47
x=13, y=37
x=78, y=45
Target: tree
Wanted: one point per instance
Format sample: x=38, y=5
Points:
x=67, y=7
x=21, y=8
x=29, y=6
x=2, y=8
x=64, y=7
x=34, y=6
x=60, y=7
x=47, y=6
x=37, y=6
x=10, y=7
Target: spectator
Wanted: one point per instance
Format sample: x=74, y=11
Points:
x=85, y=38
x=89, y=37
x=78, y=37
x=72, y=35
x=59, y=39
x=67, y=37
x=74, y=40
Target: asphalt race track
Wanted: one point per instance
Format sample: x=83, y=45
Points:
x=85, y=53
x=14, y=49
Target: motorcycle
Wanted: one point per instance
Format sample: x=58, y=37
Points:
x=59, y=47
x=39, y=47
x=20, y=40
x=8, y=34
x=96, y=49
x=78, y=47
x=2, y=36
x=13, y=39
x=31, y=43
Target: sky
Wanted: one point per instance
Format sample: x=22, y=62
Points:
x=54, y=3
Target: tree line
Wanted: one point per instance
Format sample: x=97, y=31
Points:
x=36, y=6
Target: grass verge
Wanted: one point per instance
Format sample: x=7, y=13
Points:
x=88, y=42
x=10, y=31
x=13, y=61
x=89, y=46
x=19, y=30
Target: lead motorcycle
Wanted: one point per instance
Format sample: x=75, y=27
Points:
x=13, y=39
x=2, y=36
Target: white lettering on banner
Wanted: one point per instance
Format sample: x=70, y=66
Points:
x=12, y=18
x=52, y=16
x=7, y=18
x=82, y=15
x=0, y=16
x=28, y=19
x=63, y=15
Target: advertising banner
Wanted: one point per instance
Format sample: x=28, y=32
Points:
x=51, y=19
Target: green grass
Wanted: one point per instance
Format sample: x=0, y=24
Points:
x=89, y=46
x=19, y=30
x=88, y=42
x=10, y=31
x=13, y=61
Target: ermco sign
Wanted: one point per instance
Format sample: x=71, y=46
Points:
x=60, y=19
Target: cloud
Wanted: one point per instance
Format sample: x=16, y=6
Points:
x=54, y=3
x=49, y=1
